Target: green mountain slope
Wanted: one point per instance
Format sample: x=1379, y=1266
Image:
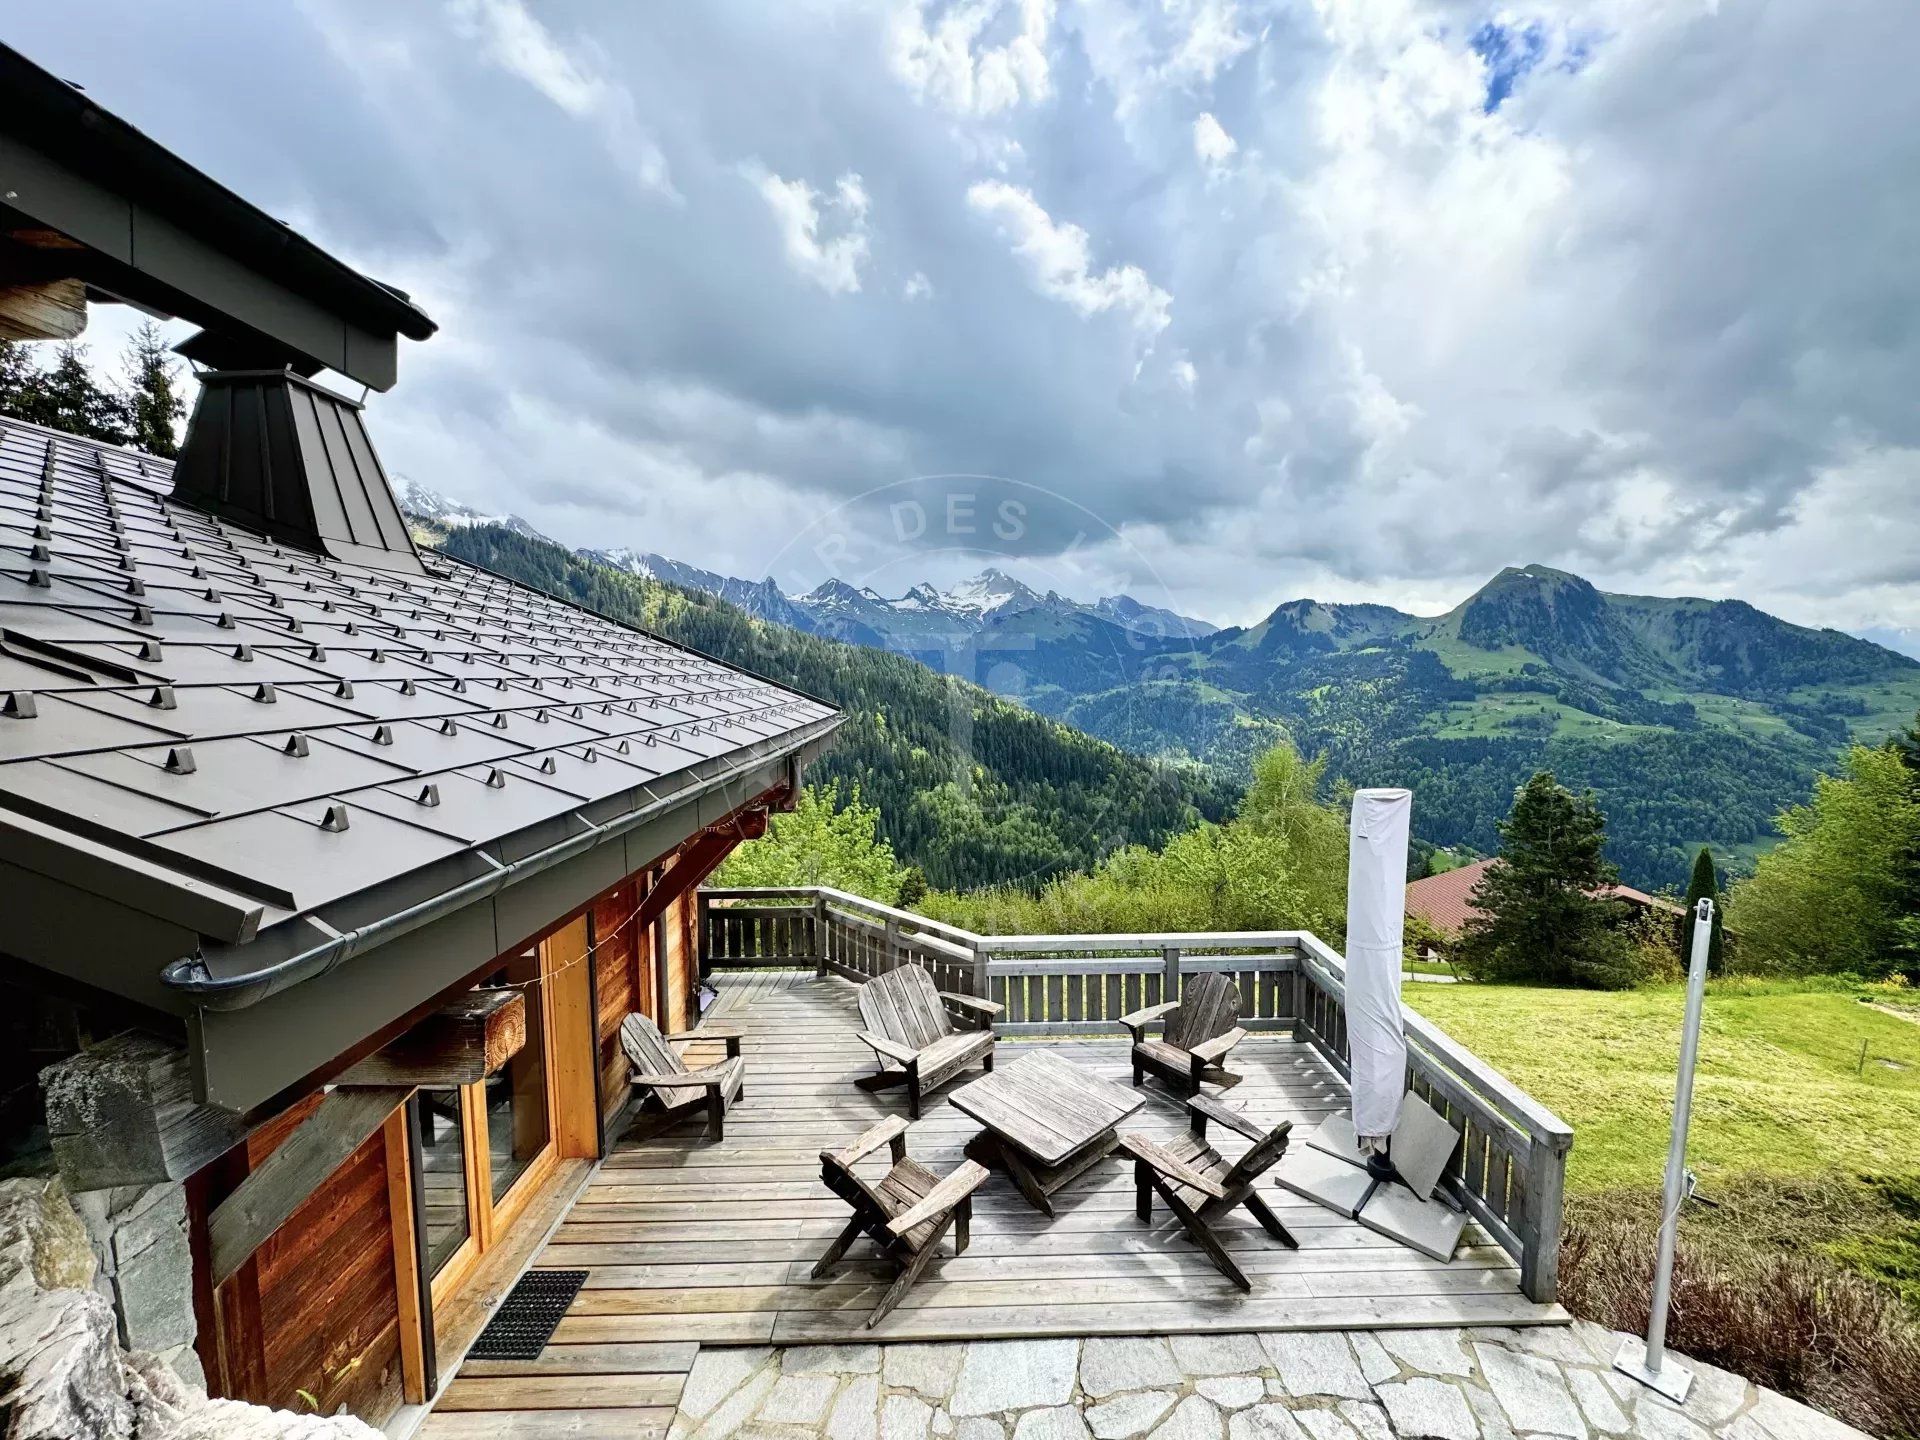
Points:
x=972, y=788
x=1695, y=720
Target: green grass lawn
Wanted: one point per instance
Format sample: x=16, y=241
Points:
x=1778, y=1088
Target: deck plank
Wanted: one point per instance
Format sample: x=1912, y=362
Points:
x=691, y=1242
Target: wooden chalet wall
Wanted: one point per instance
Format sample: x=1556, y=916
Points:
x=324, y=1314
x=683, y=960
x=623, y=978
x=317, y=1307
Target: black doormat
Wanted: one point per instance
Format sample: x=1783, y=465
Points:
x=527, y=1318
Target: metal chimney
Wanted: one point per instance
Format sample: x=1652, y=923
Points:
x=273, y=450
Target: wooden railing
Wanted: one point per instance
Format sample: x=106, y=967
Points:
x=1510, y=1170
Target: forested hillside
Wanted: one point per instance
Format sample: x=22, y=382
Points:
x=973, y=789
x=1696, y=721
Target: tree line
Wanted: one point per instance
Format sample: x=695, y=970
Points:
x=972, y=789
x=142, y=407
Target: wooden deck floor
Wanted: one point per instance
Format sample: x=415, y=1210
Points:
x=691, y=1242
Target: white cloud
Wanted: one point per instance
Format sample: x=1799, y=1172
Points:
x=1486, y=286
x=918, y=287
x=1144, y=51
x=518, y=43
x=947, y=64
x=1212, y=145
x=1210, y=40
x=832, y=263
x=1058, y=257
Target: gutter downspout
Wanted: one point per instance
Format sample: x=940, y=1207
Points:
x=190, y=975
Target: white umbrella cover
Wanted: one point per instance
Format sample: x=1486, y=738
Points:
x=1376, y=915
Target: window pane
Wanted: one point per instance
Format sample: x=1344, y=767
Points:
x=443, y=1175
x=517, y=1092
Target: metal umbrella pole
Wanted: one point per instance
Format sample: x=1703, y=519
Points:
x=1651, y=1367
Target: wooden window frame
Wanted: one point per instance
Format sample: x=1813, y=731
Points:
x=565, y=1016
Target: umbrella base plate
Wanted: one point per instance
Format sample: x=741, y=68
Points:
x=1669, y=1380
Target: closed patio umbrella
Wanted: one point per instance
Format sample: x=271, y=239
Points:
x=1376, y=913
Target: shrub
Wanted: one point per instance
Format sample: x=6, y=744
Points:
x=1796, y=1323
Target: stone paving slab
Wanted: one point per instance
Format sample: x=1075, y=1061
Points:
x=1454, y=1384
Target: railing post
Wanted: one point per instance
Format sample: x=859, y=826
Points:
x=703, y=925
x=819, y=936
x=892, y=957
x=1170, y=983
x=981, y=983
x=1546, y=1189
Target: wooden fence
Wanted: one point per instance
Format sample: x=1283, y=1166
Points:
x=1510, y=1170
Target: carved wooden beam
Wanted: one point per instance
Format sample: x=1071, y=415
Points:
x=49, y=310
x=122, y=1113
x=458, y=1044
x=697, y=859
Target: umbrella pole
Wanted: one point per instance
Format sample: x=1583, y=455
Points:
x=1650, y=1366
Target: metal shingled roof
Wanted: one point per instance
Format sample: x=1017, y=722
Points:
x=299, y=729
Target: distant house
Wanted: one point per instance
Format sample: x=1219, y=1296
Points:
x=1445, y=901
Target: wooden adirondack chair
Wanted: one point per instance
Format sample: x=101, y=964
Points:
x=1202, y=1188
x=906, y=1213
x=913, y=1036
x=666, y=1089
x=1196, y=1033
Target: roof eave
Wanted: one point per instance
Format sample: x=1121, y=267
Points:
x=195, y=979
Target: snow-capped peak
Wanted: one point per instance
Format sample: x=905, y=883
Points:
x=433, y=508
x=989, y=591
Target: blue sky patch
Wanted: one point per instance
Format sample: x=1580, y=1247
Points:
x=1510, y=51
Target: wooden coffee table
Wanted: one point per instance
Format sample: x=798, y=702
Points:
x=1047, y=1121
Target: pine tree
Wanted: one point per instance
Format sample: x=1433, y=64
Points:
x=154, y=404
x=19, y=380
x=1705, y=885
x=70, y=399
x=1540, y=920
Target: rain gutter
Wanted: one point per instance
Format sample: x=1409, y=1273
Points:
x=190, y=976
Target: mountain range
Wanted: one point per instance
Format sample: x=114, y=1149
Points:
x=1694, y=720
x=925, y=622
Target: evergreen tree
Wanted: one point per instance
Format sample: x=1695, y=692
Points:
x=1705, y=885
x=69, y=398
x=19, y=380
x=1540, y=920
x=154, y=404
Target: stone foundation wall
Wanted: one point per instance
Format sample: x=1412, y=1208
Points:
x=66, y=1370
x=145, y=1269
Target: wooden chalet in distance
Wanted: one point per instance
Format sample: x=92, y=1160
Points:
x=328, y=869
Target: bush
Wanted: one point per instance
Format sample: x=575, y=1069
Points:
x=1797, y=1323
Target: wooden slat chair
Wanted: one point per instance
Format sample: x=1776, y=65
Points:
x=1200, y=1187
x=666, y=1090
x=913, y=1036
x=906, y=1213
x=1197, y=1031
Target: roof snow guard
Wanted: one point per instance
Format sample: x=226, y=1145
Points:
x=286, y=752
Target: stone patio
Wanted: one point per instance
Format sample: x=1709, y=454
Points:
x=1454, y=1384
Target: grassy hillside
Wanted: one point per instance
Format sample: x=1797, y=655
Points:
x=1780, y=1087
x=972, y=788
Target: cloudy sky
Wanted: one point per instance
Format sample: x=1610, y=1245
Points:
x=1236, y=301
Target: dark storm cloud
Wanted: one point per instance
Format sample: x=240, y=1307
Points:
x=1353, y=297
